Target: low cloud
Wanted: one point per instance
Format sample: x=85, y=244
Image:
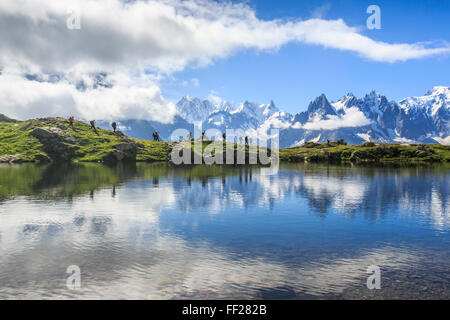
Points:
x=23, y=99
x=352, y=118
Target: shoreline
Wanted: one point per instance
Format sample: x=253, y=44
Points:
x=54, y=140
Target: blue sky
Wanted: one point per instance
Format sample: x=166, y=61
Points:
x=296, y=73
x=153, y=52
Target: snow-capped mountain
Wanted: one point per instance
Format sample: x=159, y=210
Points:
x=195, y=110
x=245, y=116
x=223, y=115
x=373, y=117
x=431, y=111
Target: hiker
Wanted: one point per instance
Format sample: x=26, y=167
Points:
x=155, y=136
x=71, y=120
x=246, y=140
x=114, y=126
x=92, y=122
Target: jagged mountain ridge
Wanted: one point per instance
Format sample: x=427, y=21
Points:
x=424, y=119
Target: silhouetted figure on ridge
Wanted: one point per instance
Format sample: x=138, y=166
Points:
x=114, y=126
x=92, y=122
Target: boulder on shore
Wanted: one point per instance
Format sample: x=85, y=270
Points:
x=126, y=150
x=13, y=158
x=57, y=144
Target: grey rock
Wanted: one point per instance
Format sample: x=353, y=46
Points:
x=26, y=126
x=56, y=144
x=47, y=133
x=15, y=158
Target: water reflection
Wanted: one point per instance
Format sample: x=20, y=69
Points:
x=156, y=231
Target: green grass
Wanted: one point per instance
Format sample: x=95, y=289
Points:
x=393, y=153
x=90, y=146
x=221, y=147
x=153, y=150
x=14, y=141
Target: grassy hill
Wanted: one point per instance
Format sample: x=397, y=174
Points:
x=52, y=139
x=367, y=153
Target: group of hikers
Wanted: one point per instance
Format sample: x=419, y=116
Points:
x=224, y=138
x=241, y=139
x=156, y=136
x=92, y=123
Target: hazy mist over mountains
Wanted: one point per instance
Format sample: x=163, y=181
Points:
x=424, y=119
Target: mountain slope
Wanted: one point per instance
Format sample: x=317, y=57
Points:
x=4, y=118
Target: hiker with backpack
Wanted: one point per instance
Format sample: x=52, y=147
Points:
x=92, y=122
x=114, y=126
x=71, y=120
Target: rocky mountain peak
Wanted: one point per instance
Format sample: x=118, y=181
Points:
x=320, y=106
x=370, y=118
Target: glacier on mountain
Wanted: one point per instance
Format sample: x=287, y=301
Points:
x=424, y=119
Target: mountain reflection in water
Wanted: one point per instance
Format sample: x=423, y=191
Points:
x=156, y=231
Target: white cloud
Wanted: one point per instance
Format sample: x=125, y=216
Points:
x=352, y=118
x=24, y=99
x=167, y=35
x=125, y=39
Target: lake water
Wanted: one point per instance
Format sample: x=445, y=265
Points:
x=152, y=231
